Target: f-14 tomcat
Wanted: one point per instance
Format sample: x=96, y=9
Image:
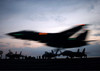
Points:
x=58, y=40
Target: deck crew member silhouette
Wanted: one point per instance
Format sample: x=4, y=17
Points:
x=1, y=52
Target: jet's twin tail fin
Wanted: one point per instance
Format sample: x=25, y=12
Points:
x=72, y=31
x=83, y=50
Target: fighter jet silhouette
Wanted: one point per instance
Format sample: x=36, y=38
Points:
x=58, y=40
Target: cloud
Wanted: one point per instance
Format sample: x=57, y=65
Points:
x=96, y=26
x=3, y=36
x=2, y=45
x=27, y=43
x=47, y=16
x=96, y=34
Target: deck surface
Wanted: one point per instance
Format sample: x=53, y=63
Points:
x=51, y=64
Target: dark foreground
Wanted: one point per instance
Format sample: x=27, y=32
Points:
x=51, y=64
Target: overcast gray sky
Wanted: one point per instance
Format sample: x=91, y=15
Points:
x=46, y=16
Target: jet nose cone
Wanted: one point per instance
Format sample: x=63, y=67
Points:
x=10, y=34
x=14, y=34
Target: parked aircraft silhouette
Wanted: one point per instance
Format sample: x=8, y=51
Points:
x=58, y=40
x=11, y=55
x=74, y=54
x=80, y=54
x=49, y=55
x=67, y=53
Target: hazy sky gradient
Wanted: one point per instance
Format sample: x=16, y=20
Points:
x=47, y=16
